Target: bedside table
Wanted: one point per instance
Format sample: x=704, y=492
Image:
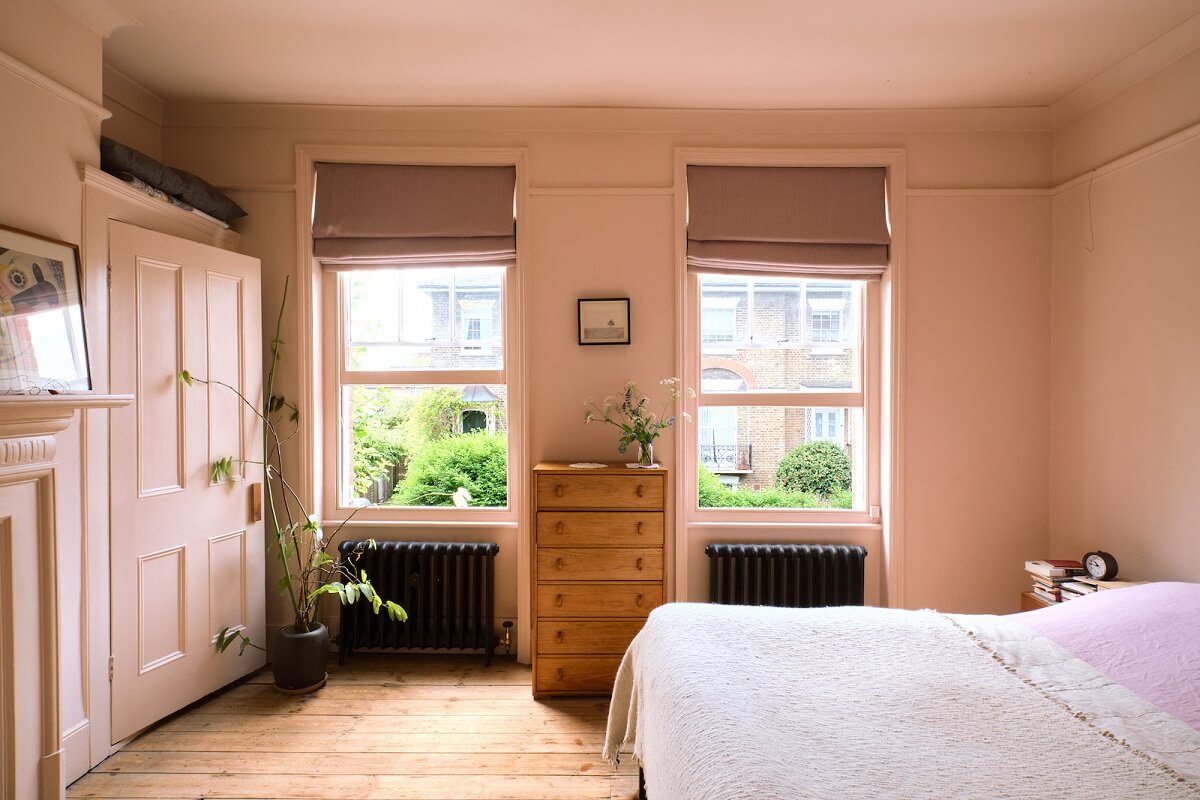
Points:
x=1031, y=602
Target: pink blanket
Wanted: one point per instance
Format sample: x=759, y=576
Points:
x=1147, y=638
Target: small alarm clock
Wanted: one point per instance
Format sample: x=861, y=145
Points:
x=1100, y=565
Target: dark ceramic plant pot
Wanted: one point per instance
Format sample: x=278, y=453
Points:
x=298, y=660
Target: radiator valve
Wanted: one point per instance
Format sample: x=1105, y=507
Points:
x=506, y=637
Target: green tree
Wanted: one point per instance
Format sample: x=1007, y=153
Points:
x=376, y=419
x=819, y=467
x=432, y=417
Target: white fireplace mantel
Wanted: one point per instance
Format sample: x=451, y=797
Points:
x=31, y=751
x=47, y=414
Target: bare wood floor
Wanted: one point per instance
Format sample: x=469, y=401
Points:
x=385, y=726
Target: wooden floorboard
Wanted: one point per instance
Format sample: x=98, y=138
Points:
x=385, y=726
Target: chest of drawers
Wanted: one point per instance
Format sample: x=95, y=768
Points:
x=597, y=571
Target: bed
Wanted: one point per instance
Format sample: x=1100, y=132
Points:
x=1098, y=698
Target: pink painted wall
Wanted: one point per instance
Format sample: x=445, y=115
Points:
x=1125, y=452
x=41, y=145
x=977, y=359
x=601, y=223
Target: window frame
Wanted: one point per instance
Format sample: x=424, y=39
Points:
x=810, y=423
x=866, y=461
x=339, y=375
x=882, y=370
x=884, y=531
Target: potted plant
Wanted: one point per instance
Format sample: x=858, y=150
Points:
x=312, y=566
x=637, y=422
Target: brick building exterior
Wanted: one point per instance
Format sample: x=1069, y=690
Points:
x=774, y=335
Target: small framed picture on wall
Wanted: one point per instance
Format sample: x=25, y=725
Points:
x=42, y=343
x=604, y=320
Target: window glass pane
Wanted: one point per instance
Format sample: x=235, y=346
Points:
x=780, y=457
x=782, y=334
x=417, y=445
x=424, y=319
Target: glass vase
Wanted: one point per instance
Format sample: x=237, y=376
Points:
x=645, y=454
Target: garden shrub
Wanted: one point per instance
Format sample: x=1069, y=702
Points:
x=841, y=498
x=714, y=494
x=475, y=461
x=818, y=467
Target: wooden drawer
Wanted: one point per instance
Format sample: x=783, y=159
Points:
x=576, y=674
x=599, y=564
x=601, y=491
x=599, y=529
x=594, y=637
x=598, y=600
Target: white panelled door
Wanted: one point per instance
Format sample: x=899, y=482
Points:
x=187, y=557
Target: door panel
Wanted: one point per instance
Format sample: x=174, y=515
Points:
x=159, y=402
x=187, y=560
x=226, y=428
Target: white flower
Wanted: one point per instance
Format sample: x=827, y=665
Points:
x=461, y=497
x=686, y=415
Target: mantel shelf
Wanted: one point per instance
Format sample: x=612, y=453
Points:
x=43, y=415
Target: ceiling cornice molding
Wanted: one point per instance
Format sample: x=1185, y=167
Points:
x=125, y=90
x=1173, y=45
x=101, y=16
x=544, y=119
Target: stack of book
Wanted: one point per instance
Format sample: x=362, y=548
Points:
x=1051, y=578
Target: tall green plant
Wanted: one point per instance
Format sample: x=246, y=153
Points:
x=312, y=567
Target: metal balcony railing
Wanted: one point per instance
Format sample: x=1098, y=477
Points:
x=727, y=457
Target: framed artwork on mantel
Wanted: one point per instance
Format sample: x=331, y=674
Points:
x=43, y=348
x=604, y=320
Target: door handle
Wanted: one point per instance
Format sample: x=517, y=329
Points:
x=558, y=600
x=558, y=490
x=256, y=502
x=558, y=636
x=639, y=563
x=641, y=490
x=559, y=528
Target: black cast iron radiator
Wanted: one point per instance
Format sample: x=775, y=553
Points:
x=795, y=575
x=447, y=588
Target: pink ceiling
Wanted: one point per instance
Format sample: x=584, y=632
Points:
x=647, y=53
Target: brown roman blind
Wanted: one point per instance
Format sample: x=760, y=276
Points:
x=390, y=215
x=802, y=220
